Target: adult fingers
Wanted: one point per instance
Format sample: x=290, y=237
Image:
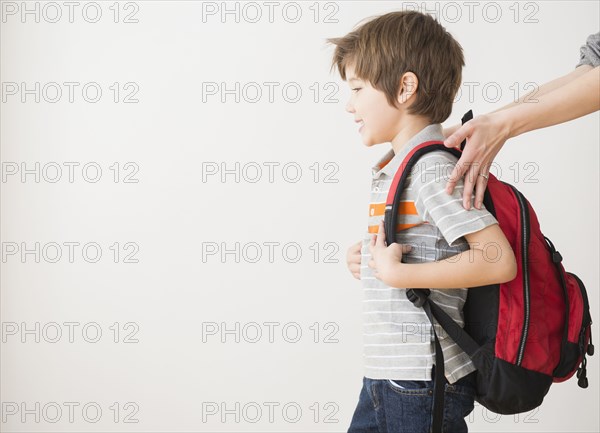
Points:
x=459, y=135
x=451, y=130
x=469, y=185
x=457, y=173
x=480, y=186
x=464, y=162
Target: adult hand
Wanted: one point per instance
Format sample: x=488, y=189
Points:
x=353, y=259
x=485, y=134
x=451, y=130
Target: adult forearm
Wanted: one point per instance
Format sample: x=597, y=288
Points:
x=577, y=98
x=547, y=87
x=470, y=268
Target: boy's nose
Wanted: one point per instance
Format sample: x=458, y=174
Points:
x=349, y=107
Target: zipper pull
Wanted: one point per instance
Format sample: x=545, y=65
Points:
x=556, y=257
x=582, y=374
x=590, y=348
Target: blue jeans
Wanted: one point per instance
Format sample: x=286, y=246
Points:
x=399, y=406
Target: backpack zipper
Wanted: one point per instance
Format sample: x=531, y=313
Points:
x=524, y=251
x=586, y=322
x=556, y=260
x=586, y=318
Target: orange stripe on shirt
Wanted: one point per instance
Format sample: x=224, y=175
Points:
x=375, y=229
x=384, y=163
x=405, y=208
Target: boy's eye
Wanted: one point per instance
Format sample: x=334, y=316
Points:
x=356, y=88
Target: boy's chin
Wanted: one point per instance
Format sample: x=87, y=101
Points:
x=370, y=142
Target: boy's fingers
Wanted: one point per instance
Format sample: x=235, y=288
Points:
x=406, y=248
x=381, y=235
x=353, y=254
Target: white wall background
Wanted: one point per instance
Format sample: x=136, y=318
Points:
x=178, y=371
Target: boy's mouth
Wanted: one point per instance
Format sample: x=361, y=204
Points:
x=361, y=123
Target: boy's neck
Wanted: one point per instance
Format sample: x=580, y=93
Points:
x=408, y=130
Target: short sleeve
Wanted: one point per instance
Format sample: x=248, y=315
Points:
x=589, y=54
x=428, y=178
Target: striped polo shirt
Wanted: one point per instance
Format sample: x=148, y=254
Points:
x=398, y=339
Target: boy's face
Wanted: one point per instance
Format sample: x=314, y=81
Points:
x=380, y=122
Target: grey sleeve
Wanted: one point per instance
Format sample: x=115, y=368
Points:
x=589, y=54
x=445, y=211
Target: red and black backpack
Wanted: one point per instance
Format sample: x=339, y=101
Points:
x=522, y=335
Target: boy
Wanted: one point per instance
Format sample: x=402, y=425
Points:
x=404, y=70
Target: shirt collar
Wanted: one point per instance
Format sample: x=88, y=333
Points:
x=382, y=166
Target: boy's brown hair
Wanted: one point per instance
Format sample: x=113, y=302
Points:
x=385, y=47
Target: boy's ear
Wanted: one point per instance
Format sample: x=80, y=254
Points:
x=408, y=86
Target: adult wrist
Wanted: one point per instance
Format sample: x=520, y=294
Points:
x=505, y=123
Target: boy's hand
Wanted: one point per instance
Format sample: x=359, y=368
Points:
x=353, y=259
x=384, y=258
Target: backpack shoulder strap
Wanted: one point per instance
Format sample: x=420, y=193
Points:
x=393, y=198
x=398, y=183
